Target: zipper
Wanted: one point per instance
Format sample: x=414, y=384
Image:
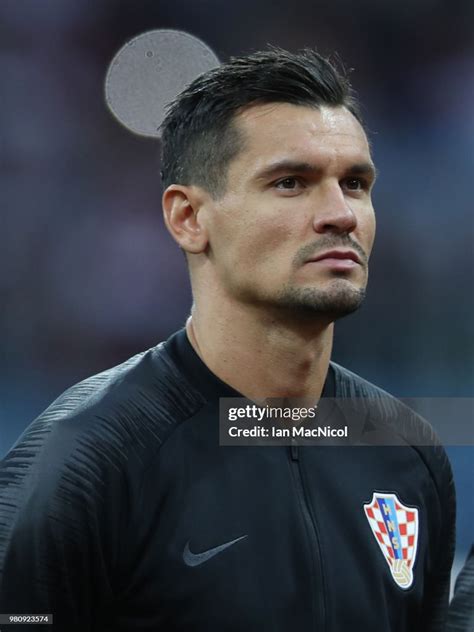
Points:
x=319, y=601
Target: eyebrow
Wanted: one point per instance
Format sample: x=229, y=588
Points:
x=291, y=166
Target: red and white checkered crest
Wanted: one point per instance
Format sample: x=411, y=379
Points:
x=395, y=527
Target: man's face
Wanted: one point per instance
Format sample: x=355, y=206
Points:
x=300, y=189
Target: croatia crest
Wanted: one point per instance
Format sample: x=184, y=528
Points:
x=395, y=528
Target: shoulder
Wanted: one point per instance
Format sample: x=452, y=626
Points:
x=108, y=422
x=148, y=390
x=389, y=421
x=382, y=408
x=349, y=384
x=80, y=464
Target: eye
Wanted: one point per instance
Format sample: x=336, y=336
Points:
x=287, y=184
x=355, y=184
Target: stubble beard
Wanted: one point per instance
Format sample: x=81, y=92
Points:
x=340, y=299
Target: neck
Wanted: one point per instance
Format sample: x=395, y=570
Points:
x=262, y=354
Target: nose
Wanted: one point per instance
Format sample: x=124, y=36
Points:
x=333, y=214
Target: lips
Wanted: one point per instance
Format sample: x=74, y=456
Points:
x=337, y=254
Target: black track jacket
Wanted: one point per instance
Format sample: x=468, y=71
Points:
x=119, y=510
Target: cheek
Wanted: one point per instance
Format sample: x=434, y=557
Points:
x=269, y=240
x=244, y=236
x=367, y=227
x=226, y=230
x=248, y=233
x=373, y=227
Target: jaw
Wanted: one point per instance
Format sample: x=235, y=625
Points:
x=332, y=300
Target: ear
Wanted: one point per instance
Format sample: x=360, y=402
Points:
x=181, y=207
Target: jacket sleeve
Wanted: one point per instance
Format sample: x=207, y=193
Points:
x=435, y=610
x=58, y=524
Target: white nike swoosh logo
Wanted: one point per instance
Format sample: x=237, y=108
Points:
x=194, y=559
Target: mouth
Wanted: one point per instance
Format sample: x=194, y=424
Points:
x=337, y=254
x=337, y=260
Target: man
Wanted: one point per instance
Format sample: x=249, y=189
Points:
x=119, y=508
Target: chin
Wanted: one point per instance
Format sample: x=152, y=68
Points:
x=340, y=299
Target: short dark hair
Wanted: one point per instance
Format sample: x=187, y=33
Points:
x=199, y=139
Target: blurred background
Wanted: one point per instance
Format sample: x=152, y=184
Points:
x=88, y=274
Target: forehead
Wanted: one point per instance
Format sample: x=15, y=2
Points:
x=287, y=131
